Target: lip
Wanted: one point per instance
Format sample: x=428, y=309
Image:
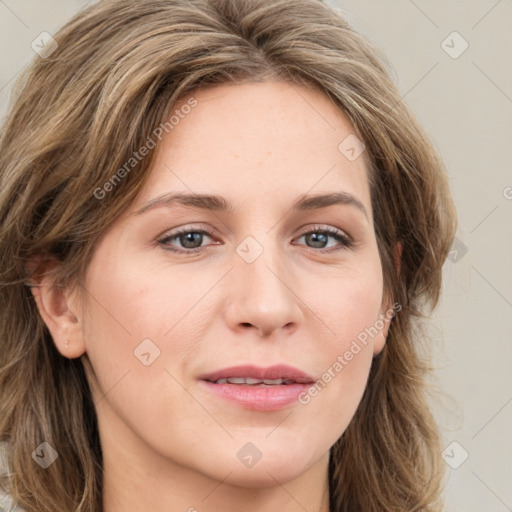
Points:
x=255, y=397
x=278, y=371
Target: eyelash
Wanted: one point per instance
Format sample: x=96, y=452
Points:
x=345, y=241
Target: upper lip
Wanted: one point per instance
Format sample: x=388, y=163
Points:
x=278, y=371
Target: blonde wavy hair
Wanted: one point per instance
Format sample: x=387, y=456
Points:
x=81, y=112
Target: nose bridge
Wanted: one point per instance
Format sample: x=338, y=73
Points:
x=262, y=295
x=258, y=263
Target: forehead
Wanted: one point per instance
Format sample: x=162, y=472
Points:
x=264, y=141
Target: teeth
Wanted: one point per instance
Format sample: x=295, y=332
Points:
x=272, y=382
x=236, y=380
x=250, y=381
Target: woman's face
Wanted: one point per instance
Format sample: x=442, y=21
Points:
x=266, y=281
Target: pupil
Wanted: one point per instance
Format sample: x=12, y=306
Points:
x=315, y=239
x=189, y=239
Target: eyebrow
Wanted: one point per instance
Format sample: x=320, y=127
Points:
x=220, y=204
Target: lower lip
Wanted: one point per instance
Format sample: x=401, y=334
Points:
x=258, y=398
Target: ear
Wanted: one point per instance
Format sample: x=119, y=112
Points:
x=388, y=310
x=57, y=306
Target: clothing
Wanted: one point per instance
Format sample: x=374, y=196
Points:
x=7, y=503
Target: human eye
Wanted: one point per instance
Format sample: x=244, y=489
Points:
x=318, y=236
x=189, y=238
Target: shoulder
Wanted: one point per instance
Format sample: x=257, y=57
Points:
x=7, y=504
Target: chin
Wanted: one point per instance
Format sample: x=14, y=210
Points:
x=272, y=468
x=263, y=475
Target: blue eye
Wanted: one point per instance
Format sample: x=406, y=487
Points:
x=191, y=240
x=320, y=237
x=188, y=238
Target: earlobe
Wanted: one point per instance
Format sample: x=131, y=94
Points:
x=55, y=306
x=379, y=343
x=388, y=310
x=382, y=324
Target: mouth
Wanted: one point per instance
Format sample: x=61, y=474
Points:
x=258, y=388
x=250, y=375
x=250, y=381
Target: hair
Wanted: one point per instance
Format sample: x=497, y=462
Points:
x=78, y=116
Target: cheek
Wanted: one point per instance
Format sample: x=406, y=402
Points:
x=173, y=305
x=143, y=322
x=129, y=302
x=349, y=311
x=176, y=307
x=332, y=401
x=147, y=300
x=348, y=304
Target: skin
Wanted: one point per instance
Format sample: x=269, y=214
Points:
x=169, y=444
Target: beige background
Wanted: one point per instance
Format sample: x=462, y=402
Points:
x=465, y=103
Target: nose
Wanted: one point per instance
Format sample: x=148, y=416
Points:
x=263, y=295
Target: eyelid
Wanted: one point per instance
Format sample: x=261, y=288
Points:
x=168, y=235
x=344, y=239
x=325, y=228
